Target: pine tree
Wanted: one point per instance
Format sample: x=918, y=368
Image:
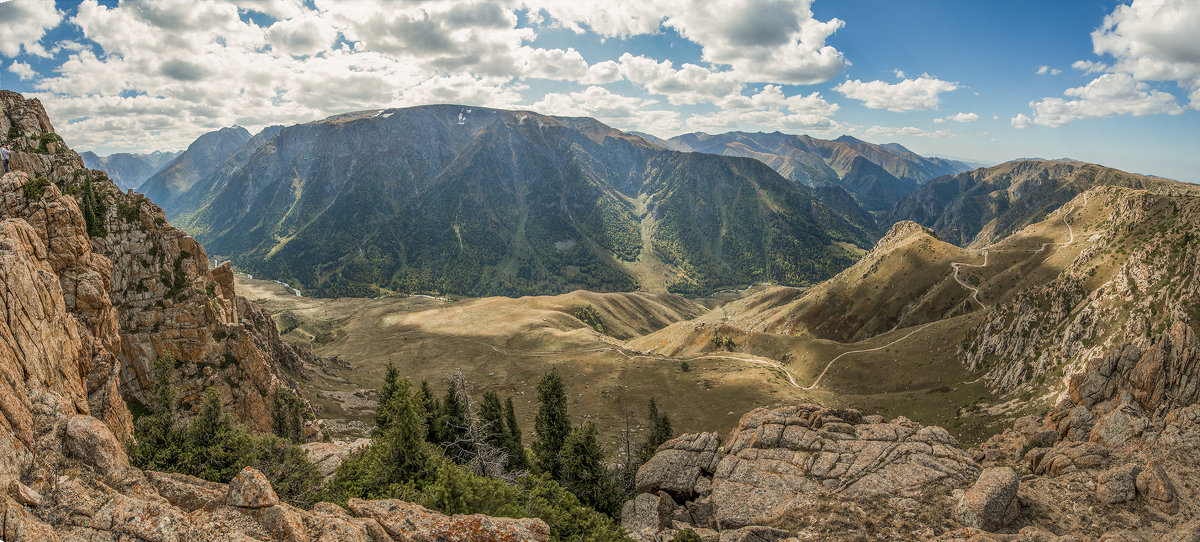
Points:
x=404, y=437
x=517, y=458
x=391, y=377
x=583, y=472
x=660, y=432
x=452, y=422
x=491, y=420
x=552, y=424
x=288, y=414
x=431, y=409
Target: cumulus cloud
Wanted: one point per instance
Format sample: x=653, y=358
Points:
x=769, y=108
x=1154, y=40
x=1109, y=95
x=910, y=131
x=908, y=95
x=22, y=70
x=1043, y=70
x=691, y=84
x=759, y=40
x=958, y=117
x=23, y=23
x=620, y=111
x=1089, y=66
x=1021, y=121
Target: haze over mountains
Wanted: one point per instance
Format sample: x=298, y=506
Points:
x=128, y=170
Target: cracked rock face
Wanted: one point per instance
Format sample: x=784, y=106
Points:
x=778, y=459
x=140, y=289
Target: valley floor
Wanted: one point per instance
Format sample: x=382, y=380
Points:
x=504, y=345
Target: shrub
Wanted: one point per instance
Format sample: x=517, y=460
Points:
x=211, y=446
x=129, y=213
x=35, y=188
x=686, y=535
x=590, y=316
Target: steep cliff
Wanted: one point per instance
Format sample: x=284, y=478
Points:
x=143, y=288
x=1134, y=278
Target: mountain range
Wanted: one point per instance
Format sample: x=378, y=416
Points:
x=876, y=175
x=128, y=170
x=200, y=158
x=476, y=201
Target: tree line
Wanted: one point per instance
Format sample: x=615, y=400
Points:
x=449, y=453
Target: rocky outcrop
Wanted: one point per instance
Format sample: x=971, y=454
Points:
x=777, y=460
x=1130, y=282
x=327, y=456
x=991, y=503
x=137, y=285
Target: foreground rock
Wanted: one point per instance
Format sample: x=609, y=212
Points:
x=991, y=503
x=787, y=459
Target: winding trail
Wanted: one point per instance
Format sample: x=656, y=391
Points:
x=750, y=358
x=839, y=356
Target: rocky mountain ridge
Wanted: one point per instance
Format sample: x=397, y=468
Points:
x=129, y=170
x=877, y=175
x=74, y=255
x=204, y=155
x=983, y=206
x=476, y=201
x=1112, y=461
x=156, y=293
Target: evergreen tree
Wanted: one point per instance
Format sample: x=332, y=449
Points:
x=391, y=378
x=583, y=471
x=288, y=414
x=431, y=409
x=491, y=421
x=452, y=424
x=164, y=397
x=517, y=458
x=660, y=432
x=406, y=457
x=552, y=424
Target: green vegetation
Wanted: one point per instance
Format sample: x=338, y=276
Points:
x=130, y=212
x=211, y=446
x=93, y=210
x=660, y=432
x=552, y=425
x=288, y=414
x=401, y=462
x=46, y=138
x=590, y=316
x=723, y=341
x=34, y=189
x=686, y=535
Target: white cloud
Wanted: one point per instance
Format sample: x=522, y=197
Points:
x=1154, y=40
x=620, y=111
x=907, y=95
x=1043, y=70
x=304, y=34
x=759, y=40
x=899, y=74
x=770, y=109
x=23, y=23
x=909, y=131
x=1089, y=67
x=958, y=117
x=1109, y=95
x=691, y=84
x=22, y=70
x=1021, y=121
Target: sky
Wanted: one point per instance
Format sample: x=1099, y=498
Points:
x=1116, y=83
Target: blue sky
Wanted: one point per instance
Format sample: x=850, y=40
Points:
x=1116, y=83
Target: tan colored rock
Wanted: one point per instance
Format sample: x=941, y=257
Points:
x=1118, y=484
x=991, y=503
x=327, y=456
x=1155, y=486
x=24, y=494
x=250, y=489
x=18, y=525
x=680, y=465
x=775, y=454
x=92, y=441
x=187, y=492
x=412, y=522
